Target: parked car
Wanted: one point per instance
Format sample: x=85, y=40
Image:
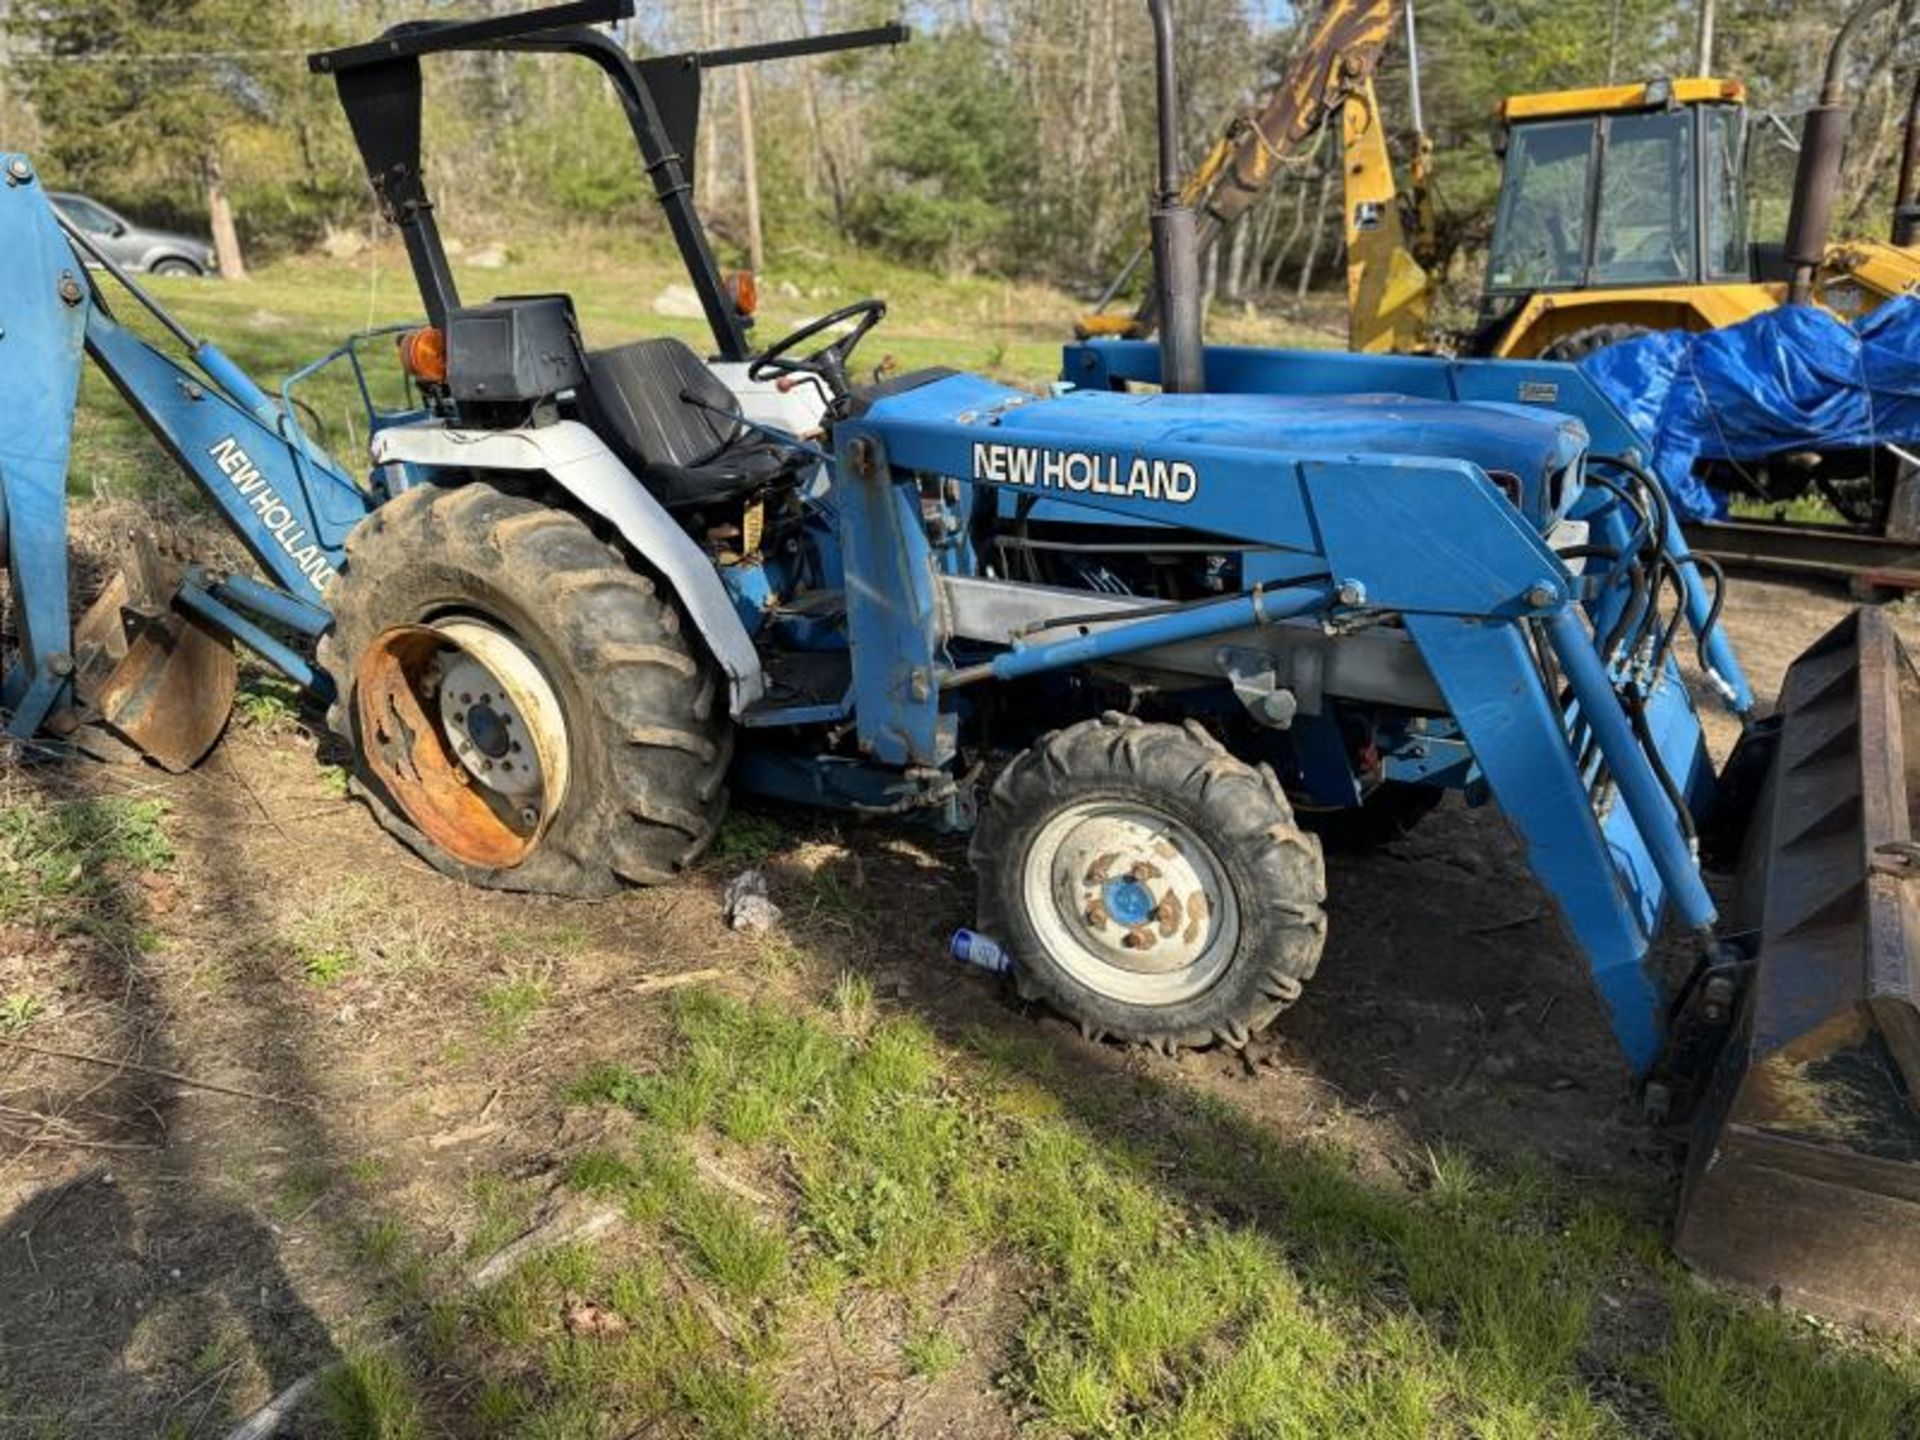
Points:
x=136, y=247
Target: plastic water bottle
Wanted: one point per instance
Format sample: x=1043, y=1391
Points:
x=970, y=947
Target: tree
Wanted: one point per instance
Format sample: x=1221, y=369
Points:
x=953, y=156
x=149, y=96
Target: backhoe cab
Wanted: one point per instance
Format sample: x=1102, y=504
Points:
x=1619, y=207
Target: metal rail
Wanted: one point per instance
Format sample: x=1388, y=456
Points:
x=1813, y=551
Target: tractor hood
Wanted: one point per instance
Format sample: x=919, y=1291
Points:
x=1538, y=449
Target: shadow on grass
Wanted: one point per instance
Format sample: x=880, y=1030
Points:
x=142, y=1285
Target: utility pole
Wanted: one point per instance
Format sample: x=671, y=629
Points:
x=709, y=158
x=749, y=160
x=1703, y=49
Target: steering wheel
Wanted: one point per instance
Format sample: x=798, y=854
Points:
x=829, y=362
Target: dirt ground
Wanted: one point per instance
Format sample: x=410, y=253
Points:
x=311, y=1039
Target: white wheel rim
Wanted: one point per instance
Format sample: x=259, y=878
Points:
x=1130, y=902
x=503, y=722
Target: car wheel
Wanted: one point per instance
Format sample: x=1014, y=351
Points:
x=174, y=265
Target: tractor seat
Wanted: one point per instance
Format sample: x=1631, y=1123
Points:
x=665, y=414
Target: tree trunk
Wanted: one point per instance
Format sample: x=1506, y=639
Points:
x=1236, y=276
x=226, y=238
x=749, y=168
x=709, y=157
x=1319, y=228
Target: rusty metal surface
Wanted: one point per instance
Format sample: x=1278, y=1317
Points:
x=158, y=678
x=406, y=751
x=1337, y=60
x=1804, y=1175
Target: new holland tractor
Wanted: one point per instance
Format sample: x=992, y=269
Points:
x=576, y=594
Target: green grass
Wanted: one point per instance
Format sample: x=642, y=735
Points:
x=745, y=839
x=267, y=703
x=368, y=1396
x=512, y=1003
x=1181, y=1272
x=18, y=1010
x=64, y=863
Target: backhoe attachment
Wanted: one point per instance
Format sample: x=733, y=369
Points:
x=156, y=675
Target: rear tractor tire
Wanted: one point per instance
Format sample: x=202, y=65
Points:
x=525, y=710
x=1150, y=886
x=1581, y=343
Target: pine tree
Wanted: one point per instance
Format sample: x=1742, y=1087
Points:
x=147, y=96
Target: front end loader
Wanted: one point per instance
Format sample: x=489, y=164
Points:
x=1183, y=610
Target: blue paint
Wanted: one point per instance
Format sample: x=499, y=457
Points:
x=1196, y=622
x=1128, y=901
x=40, y=347
x=1488, y=676
x=282, y=657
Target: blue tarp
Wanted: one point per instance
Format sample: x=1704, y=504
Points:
x=1795, y=378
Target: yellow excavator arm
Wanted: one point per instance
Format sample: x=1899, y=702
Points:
x=1389, y=292
x=1333, y=69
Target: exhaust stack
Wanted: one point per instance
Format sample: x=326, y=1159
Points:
x=1823, y=144
x=1176, y=232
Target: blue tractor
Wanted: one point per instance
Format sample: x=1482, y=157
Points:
x=1149, y=637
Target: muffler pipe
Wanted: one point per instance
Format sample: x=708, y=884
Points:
x=1176, y=232
x=1823, y=145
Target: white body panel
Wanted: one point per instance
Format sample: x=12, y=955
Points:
x=798, y=411
x=579, y=462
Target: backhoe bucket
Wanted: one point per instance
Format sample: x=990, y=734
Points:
x=1804, y=1175
x=158, y=678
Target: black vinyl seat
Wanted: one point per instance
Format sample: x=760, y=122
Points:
x=663, y=412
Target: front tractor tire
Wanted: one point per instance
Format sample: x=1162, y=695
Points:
x=525, y=710
x=1148, y=885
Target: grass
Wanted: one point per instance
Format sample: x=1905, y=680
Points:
x=512, y=1003
x=1182, y=1274
x=267, y=703
x=18, y=1010
x=65, y=863
x=370, y=1397
x=356, y=926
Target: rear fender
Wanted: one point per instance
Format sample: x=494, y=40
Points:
x=579, y=462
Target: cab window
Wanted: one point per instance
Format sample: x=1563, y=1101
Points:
x=1646, y=226
x=1726, y=144
x=1540, y=233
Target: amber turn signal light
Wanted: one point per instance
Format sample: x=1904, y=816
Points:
x=423, y=354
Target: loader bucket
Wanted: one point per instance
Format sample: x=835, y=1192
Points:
x=1803, y=1179
x=158, y=678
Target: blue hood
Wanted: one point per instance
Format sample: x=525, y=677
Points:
x=1535, y=445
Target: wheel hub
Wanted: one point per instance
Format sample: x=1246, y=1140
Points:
x=461, y=726
x=491, y=738
x=1131, y=901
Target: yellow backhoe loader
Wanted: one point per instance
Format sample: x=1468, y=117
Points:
x=1623, y=210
